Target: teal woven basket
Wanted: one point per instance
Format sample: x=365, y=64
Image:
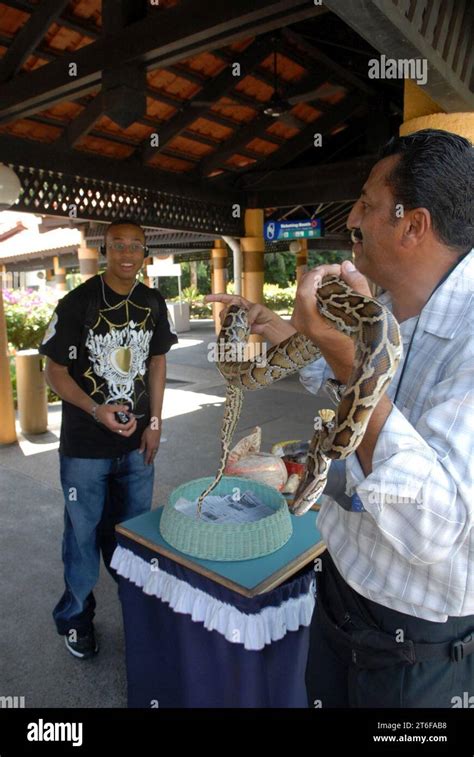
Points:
x=226, y=541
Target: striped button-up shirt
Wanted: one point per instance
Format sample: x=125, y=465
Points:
x=412, y=546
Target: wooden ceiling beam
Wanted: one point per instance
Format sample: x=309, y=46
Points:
x=305, y=139
x=29, y=36
x=41, y=50
x=338, y=71
x=437, y=32
x=327, y=183
x=256, y=128
x=220, y=85
x=82, y=124
x=68, y=20
x=157, y=41
x=25, y=152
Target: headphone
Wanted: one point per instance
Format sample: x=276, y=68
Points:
x=103, y=250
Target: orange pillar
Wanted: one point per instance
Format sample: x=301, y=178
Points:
x=7, y=424
x=88, y=262
x=60, y=274
x=253, y=249
x=301, y=259
x=421, y=112
x=218, y=278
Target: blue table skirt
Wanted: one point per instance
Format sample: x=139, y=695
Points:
x=173, y=660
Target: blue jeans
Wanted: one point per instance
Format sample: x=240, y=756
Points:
x=99, y=493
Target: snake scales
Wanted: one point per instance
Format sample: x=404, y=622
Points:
x=377, y=341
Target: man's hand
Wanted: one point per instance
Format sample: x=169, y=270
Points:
x=150, y=443
x=261, y=319
x=306, y=317
x=258, y=315
x=337, y=348
x=105, y=414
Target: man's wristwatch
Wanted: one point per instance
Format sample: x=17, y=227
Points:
x=94, y=411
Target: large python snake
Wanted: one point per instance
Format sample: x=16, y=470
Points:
x=378, y=349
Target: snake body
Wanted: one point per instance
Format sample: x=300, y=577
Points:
x=337, y=435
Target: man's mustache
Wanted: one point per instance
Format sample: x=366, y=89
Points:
x=356, y=235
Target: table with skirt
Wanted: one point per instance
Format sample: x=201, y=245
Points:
x=194, y=639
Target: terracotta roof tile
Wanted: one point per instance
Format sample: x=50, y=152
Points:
x=104, y=147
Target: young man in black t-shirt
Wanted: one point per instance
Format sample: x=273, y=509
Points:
x=106, y=350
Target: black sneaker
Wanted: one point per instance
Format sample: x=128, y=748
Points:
x=82, y=646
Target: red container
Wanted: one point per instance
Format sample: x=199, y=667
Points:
x=292, y=467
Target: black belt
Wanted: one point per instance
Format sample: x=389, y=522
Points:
x=368, y=647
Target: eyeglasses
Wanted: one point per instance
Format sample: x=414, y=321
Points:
x=122, y=246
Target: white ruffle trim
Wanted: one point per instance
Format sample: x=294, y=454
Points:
x=254, y=631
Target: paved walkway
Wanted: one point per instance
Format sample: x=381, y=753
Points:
x=34, y=661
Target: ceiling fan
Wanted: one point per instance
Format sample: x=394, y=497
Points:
x=277, y=106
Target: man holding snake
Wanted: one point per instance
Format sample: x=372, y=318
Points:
x=394, y=620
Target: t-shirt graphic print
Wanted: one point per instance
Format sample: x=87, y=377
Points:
x=118, y=357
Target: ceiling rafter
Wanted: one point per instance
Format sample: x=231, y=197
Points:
x=157, y=41
x=67, y=19
x=82, y=124
x=219, y=86
x=25, y=152
x=304, y=140
x=256, y=128
x=295, y=146
x=29, y=36
x=91, y=30
x=340, y=72
x=261, y=73
x=327, y=183
x=439, y=32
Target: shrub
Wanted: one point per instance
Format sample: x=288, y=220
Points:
x=27, y=313
x=281, y=300
x=197, y=307
x=275, y=297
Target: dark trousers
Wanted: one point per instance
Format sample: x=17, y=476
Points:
x=365, y=655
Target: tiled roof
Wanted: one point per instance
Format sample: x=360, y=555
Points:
x=30, y=242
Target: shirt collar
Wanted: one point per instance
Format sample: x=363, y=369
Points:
x=443, y=315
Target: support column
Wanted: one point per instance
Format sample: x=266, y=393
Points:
x=253, y=249
x=7, y=425
x=88, y=262
x=301, y=259
x=421, y=112
x=60, y=274
x=147, y=280
x=193, y=273
x=218, y=278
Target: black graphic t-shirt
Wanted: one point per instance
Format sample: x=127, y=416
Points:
x=109, y=360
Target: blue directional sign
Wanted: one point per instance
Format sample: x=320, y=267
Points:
x=277, y=231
